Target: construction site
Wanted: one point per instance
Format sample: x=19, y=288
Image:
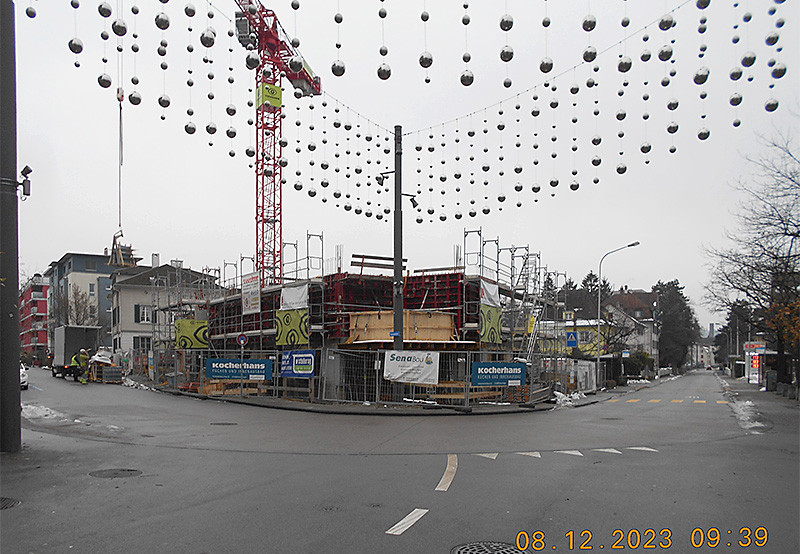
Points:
x=484, y=308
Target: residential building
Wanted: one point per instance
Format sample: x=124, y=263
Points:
x=79, y=292
x=33, y=319
x=638, y=311
x=146, y=301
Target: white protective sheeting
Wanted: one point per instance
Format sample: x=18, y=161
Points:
x=294, y=298
x=490, y=294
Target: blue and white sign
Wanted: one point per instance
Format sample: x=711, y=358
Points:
x=252, y=370
x=298, y=363
x=572, y=339
x=498, y=374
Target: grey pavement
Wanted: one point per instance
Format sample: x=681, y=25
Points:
x=222, y=477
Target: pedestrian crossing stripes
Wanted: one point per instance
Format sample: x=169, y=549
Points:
x=690, y=400
x=577, y=453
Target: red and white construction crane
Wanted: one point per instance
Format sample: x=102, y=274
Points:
x=258, y=29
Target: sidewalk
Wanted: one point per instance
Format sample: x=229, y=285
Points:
x=372, y=408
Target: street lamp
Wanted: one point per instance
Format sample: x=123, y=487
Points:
x=599, y=289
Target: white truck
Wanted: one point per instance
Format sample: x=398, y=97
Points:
x=69, y=339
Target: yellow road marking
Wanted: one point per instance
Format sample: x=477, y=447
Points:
x=699, y=401
x=677, y=401
x=655, y=400
x=615, y=400
x=634, y=400
x=722, y=402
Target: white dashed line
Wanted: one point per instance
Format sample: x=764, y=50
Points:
x=531, y=454
x=642, y=448
x=570, y=452
x=490, y=455
x=609, y=450
x=449, y=473
x=402, y=525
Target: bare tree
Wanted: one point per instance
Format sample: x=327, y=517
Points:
x=761, y=268
x=82, y=310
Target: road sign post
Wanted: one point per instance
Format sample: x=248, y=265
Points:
x=242, y=340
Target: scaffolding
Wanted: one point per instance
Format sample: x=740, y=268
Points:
x=178, y=293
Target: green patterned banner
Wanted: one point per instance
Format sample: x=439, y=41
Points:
x=490, y=324
x=191, y=333
x=292, y=327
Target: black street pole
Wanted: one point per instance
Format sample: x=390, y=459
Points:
x=10, y=431
x=397, y=296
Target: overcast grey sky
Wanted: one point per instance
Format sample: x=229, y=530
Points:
x=188, y=200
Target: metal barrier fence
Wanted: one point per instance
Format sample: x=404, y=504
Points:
x=353, y=376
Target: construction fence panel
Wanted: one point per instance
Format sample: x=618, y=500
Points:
x=358, y=377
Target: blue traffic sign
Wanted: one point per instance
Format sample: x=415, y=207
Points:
x=572, y=338
x=394, y=333
x=241, y=339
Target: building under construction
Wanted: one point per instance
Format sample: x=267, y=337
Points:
x=482, y=308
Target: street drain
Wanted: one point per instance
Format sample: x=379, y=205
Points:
x=223, y=423
x=612, y=418
x=6, y=503
x=486, y=548
x=115, y=473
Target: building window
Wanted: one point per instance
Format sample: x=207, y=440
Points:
x=142, y=313
x=91, y=264
x=91, y=289
x=586, y=337
x=142, y=343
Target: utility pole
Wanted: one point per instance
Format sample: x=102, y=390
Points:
x=397, y=292
x=10, y=428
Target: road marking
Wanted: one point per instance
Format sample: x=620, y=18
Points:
x=449, y=473
x=676, y=401
x=570, y=452
x=531, y=454
x=615, y=400
x=642, y=448
x=490, y=455
x=402, y=525
x=36, y=388
x=699, y=401
x=722, y=402
x=655, y=400
x=633, y=400
x=609, y=450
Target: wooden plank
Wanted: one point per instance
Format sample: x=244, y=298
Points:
x=476, y=394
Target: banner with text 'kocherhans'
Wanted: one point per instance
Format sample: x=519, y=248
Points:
x=498, y=374
x=252, y=370
x=407, y=366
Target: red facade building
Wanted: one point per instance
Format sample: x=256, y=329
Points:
x=33, y=318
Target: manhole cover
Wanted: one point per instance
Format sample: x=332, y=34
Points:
x=6, y=502
x=223, y=423
x=486, y=548
x=115, y=473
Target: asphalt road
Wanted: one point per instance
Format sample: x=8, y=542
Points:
x=219, y=477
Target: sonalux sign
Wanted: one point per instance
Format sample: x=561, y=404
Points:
x=298, y=363
x=498, y=374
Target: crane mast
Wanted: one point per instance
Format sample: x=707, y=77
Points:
x=259, y=30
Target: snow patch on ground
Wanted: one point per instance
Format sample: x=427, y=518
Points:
x=746, y=414
x=418, y=401
x=567, y=400
x=638, y=382
x=31, y=411
x=128, y=382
